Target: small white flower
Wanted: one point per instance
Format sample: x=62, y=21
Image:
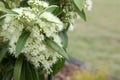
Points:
x=44, y=4
x=37, y=3
x=88, y=4
x=71, y=27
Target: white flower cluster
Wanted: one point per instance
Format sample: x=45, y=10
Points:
x=38, y=3
x=31, y=19
x=69, y=15
x=88, y=4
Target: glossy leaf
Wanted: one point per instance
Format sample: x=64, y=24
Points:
x=57, y=11
x=2, y=20
x=80, y=12
x=64, y=38
x=22, y=77
x=35, y=73
x=57, y=48
x=8, y=11
x=30, y=72
x=21, y=41
x=57, y=66
x=18, y=68
x=79, y=4
x=8, y=75
x=3, y=50
x=49, y=9
x=5, y=3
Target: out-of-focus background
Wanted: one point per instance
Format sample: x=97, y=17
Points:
x=97, y=41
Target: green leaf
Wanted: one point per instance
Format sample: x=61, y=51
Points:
x=57, y=11
x=57, y=48
x=41, y=76
x=3, y=50
x=54, y=9
x=29, y=72
x=57, y=66
x=22, y=77
x=5, y=3
x=80, y=12
x=2, y=5
x=49, y=9
x=8, y=11
x=35, y=73
x=18, y=68
x=8, y=75
x=1, y=20
x=21, y=41
x=64, y=38
x=79, y=4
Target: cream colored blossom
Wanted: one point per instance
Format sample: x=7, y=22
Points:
x=88, y=4
x=38, y=3
x=40, y=26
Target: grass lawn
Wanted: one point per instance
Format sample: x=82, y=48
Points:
x=97, y=41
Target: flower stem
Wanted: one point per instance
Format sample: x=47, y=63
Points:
x=50, y=77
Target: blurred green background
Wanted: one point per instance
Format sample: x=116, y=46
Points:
x=97, y=41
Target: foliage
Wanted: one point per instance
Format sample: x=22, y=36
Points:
x=34, y=36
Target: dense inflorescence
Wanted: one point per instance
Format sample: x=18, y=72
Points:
x=41, y=24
